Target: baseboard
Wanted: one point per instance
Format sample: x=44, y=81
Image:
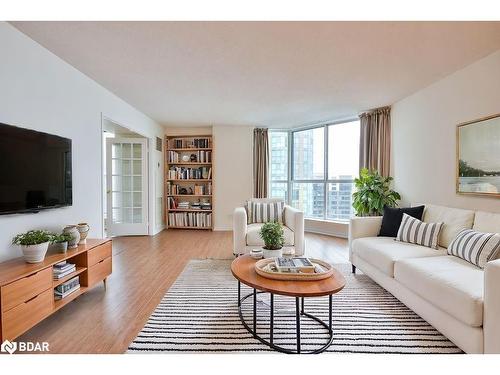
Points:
x=331, y=234
x=223, y=229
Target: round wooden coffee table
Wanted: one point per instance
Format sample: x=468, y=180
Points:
x=243, y=269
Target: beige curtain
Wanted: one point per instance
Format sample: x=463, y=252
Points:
x=375, y=140
x=260, y=163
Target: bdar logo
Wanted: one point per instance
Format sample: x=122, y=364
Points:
x=8, y=347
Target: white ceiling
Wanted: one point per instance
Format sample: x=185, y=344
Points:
x=276, y=74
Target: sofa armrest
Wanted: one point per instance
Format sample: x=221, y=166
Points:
x=363, y=226
x=294, y=219
x=239, y=230
x=491, y=317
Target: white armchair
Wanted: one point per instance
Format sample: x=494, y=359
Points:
x=246, y=236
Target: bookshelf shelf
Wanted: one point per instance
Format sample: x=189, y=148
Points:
x=78, y=271
x=177, y=147
x=60, y=303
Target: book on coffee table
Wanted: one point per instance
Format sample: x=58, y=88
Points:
x=294, y=265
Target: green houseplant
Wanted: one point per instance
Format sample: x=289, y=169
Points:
x=60, y=242
x=34, y=244
x=273, y=236
x=373, y=193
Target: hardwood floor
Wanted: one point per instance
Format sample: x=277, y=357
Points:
x=143, y=270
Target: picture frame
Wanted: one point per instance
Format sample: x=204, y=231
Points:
x=478, y=157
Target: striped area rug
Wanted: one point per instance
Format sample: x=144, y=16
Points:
x=199, y=314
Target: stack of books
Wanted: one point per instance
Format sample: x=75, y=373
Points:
x=183, y=205
x=67, y=288
x=63, y=269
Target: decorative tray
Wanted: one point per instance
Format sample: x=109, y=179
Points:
x=263, y=268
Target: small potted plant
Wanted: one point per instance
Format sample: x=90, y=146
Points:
x=60, y=242
x=34, y=244
x=272, y=235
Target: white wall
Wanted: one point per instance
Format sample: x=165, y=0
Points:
x=424, y=134
x=233, y=163
x=40, y=91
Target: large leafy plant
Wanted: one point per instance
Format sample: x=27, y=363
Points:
x=33, y=237
x=272, y=235
x=373, y=193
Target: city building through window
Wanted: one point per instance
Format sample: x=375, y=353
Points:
x=314, y=169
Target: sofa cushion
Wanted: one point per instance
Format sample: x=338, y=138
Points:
x=253, y=236
x=454, y=220
x=382, y=252
x=417, y=232
x=391, y=221
x=486, y=222
x=449, y=283
x=475, y=247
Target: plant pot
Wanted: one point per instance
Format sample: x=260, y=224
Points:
x=60, y=247
x=272, y=253
x=72, y=229
x=35, y=253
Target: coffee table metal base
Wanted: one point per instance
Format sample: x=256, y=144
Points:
x=299, y=311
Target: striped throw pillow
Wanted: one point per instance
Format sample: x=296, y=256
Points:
x=263, y=212
x=415, y=231
x=475, y=247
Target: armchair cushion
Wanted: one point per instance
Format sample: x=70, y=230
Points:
x=253, y=235
x=263, y=212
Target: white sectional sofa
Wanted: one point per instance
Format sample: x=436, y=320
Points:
x=459, y=299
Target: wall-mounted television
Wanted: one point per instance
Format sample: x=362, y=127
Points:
x=35, y=170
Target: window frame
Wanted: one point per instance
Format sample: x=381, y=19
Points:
x=326, y=180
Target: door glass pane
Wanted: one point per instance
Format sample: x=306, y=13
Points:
x=126, y=167
x=116, y=166
x=127, y=199
x=137, y=151
x=137, y=183
x=127, y=216
x=279, y=155
x=343, y=151
x=339, y=201
x=116, y=150
x=279, y=190
x=137, y=215
x=309, y=154
x=117, y=215
x=127, y=183
x=126, y=150
x=309, y=198
x=137, y=169
x=116, y=183
x=137, y=199
x=117, y=199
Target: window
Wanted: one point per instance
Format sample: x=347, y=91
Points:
x=324, y=162
x=278, y=143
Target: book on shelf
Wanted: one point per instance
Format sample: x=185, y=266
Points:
x=190, y=219
x=59, y=296
x=195, y=142
x=60, y=274
x=68, y=285
x=183, y=173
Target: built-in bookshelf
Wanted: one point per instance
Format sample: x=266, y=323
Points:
x=189, y=182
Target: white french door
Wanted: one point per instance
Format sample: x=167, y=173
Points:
x=127, y=186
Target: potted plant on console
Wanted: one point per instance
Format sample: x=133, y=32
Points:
x=34, y=244
x=60, y=242
x=272, y=235
x=373, y=193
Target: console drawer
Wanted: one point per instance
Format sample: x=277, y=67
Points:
x=26, y=288
x=99, y=271
x=18, y=320
x=99, y=253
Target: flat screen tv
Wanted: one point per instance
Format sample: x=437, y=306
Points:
x=35, y=170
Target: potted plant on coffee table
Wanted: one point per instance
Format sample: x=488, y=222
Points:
x=60, y=242
x=34, y=244
x=272, y=235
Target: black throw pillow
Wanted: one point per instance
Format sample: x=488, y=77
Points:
x=393, y=216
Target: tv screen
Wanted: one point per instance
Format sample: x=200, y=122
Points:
x=35, y=170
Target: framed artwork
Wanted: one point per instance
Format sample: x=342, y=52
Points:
x=478, y=157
